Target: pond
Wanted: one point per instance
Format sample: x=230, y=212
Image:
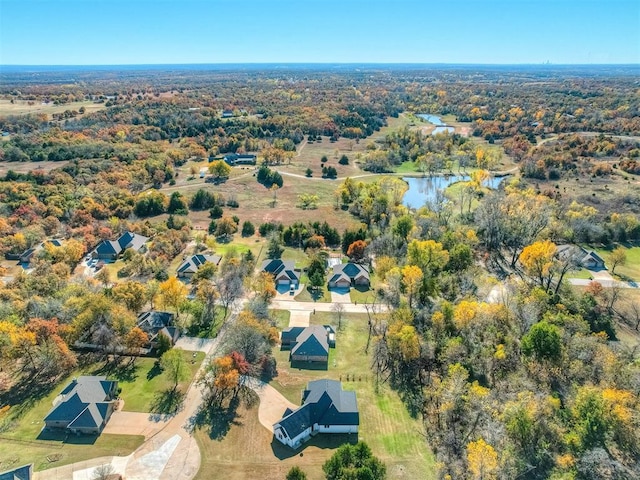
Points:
x=437, y=121
x=424, y=189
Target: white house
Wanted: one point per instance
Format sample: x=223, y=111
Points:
x=326, y=408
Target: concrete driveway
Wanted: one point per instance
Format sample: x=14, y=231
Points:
x=299, y=318
x=272, y=402
x=340, y=295
x=194, y=344
x=134, y=423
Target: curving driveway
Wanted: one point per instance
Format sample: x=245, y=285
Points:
x=272, y=403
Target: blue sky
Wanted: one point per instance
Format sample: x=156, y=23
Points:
x=97, y=32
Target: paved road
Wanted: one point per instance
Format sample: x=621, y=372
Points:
x=294, y=306
x=583, y=282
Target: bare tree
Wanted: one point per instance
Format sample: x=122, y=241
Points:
x=103, y=472
x=338, y=311
x=230, y=288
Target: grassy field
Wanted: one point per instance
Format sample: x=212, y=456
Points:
x=583, y=273
x=630, y=271
x=26, y=167
x=385, y=424
x=24, y=107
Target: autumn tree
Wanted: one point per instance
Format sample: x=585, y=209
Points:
x=220, y=169
x=356, y=251
x=264, y=286
x=172, y=294
x=411, y=280
x=135, y=340
x=617, y=257
x=131, y=294
x=482, y=460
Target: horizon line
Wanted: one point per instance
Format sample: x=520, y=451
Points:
x=546, y=63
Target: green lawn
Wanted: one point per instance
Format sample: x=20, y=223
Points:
x=385, y=423
x=583, y=273
x=631, y=269
x=143, y=382
x=320, y=295
x=281, y=318
x=21, y=440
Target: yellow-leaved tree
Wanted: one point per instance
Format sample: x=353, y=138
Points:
x=482, y=460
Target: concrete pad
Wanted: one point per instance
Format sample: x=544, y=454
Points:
x=134, y=423
x=119, y=465
x=151, y=465
x=194, y=344
x=299, y=318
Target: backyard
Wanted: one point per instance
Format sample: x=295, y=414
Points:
x=385, y=423
x=144, y=389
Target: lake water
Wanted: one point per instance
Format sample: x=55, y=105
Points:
x=437, y=121
x=423, y=189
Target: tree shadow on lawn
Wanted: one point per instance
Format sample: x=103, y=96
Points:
x=322, y=440
x=155, y=370
x=124, y=372
x=24, y=394
x=218, y=418
x=166, y=404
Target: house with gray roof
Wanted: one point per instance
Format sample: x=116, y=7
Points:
x=112, y=249
x=308, y=344
x=326, y=408
x=580, y=257
x=283, y=271
x=234, y=159
x=347, y=275
x=192, y=264
x=155, y=323
x=84, y=406
x=24, y=472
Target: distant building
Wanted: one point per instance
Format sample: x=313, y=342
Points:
x=111, y=249
x=234, y=159
x=347, y=275
x=25, y=257
x=192, y=264
x=84, y=406
x=155, y=323
x=283, y=271
x=326, y=408
x=227, y=113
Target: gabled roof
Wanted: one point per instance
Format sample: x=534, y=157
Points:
x=593, y=255
x=151, y=322
x=131, y=240
x=91, y=417
x=126, y=240
x=312, y=341
x=194, y=262
x=348, y=272
x=323, y=403
x=80, y=394
x=279, y=268
x=291, y=334
x=20, y=473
